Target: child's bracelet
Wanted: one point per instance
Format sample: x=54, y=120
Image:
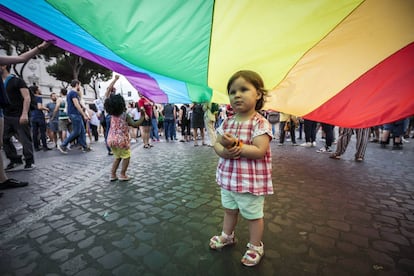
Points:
x=237, y=142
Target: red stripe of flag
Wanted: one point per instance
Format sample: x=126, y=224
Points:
x=383, y=94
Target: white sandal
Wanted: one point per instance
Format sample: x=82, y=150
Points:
x=253, y=254
x=218, y=242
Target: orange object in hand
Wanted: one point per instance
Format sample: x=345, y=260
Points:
x=236, y=142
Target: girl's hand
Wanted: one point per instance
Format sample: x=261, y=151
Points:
x=231, y=153
x=227, y=140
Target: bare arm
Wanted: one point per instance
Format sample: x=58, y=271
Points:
x=5, y=60
x=41, y=107
x=24, y=118
x=257, y=149
x=223, y=149
x=79, y=108
x=137, y=123
x=155, y=112
x=180, y=115
x=56, y=110
x=111, y=86
x=226, y=148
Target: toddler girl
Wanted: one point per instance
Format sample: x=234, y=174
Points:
x=245, y=166
x=118, y=136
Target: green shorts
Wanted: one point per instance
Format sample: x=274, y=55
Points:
x=121, y=153
x=249, y=205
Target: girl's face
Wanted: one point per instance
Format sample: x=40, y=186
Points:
x=243, y=96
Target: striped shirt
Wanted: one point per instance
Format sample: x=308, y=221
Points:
x=245, y=175
x=63, y=110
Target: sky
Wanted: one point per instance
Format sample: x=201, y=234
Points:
x=121, y=85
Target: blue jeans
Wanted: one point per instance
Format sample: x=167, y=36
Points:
x=274, y=130
x=39, y=127
x=154, y=129
x=78, y=131
x=174, y=131
x=168, y=129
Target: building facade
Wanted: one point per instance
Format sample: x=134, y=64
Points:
x=35, y=73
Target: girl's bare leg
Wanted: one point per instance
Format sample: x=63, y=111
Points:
x=125, y=164
x=115, y=166
x=230, y=221
x=256, y=227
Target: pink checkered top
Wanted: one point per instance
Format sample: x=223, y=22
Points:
x=246, y=175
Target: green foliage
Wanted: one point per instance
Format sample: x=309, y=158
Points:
x=90, y=71
x=67, y=66
x=11, y=37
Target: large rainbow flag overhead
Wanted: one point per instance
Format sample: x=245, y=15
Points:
x=347, y=62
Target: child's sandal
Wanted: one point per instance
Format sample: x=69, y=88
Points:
x=253, y=254
x=218, y=242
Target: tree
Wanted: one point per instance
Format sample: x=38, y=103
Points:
x=67, y=67
x=85, y=71
x=13, y=38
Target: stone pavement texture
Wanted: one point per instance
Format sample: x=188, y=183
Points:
x=327, y=217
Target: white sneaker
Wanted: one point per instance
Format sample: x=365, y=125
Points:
x=324, y=150
x=313, y=144
x=62, y=149
x=307, y=145
x=29, y=167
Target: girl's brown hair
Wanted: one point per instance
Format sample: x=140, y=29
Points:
x=253, y=78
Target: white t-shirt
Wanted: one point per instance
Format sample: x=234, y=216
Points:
x=135, y=114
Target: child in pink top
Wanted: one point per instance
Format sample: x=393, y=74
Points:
x=118, y=137
x=244, y=171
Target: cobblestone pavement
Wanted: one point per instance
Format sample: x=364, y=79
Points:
x=327, y=217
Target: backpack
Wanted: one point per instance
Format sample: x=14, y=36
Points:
x=214, y=108
x=273, y=117
x=4, y=98
x=168, y=112
x=33, y=102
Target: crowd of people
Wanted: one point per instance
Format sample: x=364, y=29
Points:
x=67, y=122
x=288, y=125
